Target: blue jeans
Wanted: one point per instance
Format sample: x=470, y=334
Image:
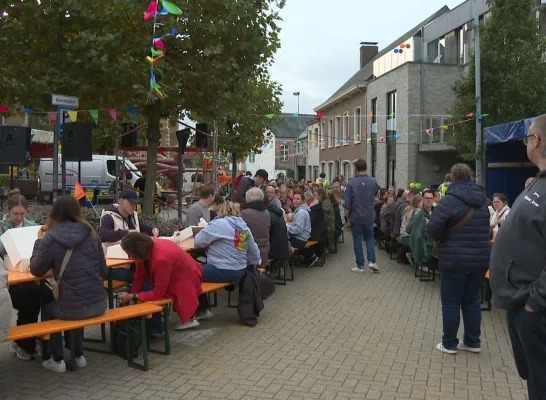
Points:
x=156, y=324
x=363, y=232
x=528, y=336
x=403, y=240
x=460, y=291
x=53, y=310
x=123, y=274
x=216, y=275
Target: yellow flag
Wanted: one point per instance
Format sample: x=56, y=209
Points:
x=445, y=126
x=73, y=115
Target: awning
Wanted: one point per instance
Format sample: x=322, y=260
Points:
x=511, y=131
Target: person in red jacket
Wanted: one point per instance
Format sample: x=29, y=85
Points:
x=173, y=273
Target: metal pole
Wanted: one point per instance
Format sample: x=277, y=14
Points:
x=215, y=155
x=180, y=182
x=479, y=137
x=63, y=163
x=56, y=155
x=298, y=104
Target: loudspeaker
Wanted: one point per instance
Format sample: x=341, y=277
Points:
x=183, y=136
x=77, y=141
x=131, y=139
x=14, y=145
x=202, y=141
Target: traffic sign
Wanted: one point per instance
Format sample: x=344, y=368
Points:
x=66, y=101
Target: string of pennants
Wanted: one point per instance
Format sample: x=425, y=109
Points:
x=73, y=115
x=320, y=115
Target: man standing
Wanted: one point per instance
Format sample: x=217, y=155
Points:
x=518, y=273
x=201, y=209
x=360, y=214
x=444, y=186
x=322, y=180
x=247, y=182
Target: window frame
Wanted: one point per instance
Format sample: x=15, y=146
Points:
x=357, y=130
x=330, y=132
x=285, y=152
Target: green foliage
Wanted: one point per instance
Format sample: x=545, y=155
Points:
x=513, y=72
x=97, y=50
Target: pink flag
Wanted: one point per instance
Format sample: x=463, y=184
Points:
x=52, y=115
x=4, y=108
x=113, y=113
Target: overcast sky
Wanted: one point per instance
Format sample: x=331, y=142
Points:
x=320, y=41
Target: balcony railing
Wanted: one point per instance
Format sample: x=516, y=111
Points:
x=437, y=135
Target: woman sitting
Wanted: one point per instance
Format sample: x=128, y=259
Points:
x=411, y=209
x=69, y=246
x=229, y=247
x=501, y=211
x=25, y=297
x=173, y=272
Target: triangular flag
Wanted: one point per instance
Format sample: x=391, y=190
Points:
x=113, y=113
x=52, y=115
x=4, y=108
x=382, y=139
x=28, y=110
x=171, y=8
x=79, y=192
x=73, y=115
x=445, y=127
x=469, y=115
x=269, y=116
x=370, y=114
x=156, y=53
x=427, y=131
x=132, y=111
x=412, y=133
x=95, y=115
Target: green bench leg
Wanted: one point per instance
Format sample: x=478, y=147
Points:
x=144, y=346
x=167, y=338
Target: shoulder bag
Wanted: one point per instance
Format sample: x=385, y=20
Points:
x=54, y=284
x=463, y=220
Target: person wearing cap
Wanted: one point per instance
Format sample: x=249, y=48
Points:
x=260, y=178
x=117, y=221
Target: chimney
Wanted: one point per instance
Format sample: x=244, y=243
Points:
x=368, y=50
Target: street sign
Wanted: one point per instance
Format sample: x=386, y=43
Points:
x=66, y=101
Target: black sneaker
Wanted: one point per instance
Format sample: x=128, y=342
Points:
x=312, y=261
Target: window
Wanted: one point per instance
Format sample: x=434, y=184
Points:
x=390, y=140
x=357, y=125
x=284, y=152
x=346, y=128
x=322, y=132
x=330, y=172
x=330, y=132
x=338, y=131
x=391, y=110
x=252, y=158
x=316, y=137
x=374, y=111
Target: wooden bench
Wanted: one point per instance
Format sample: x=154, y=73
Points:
x=310, y=244
x=45, y=329
x=278, y=280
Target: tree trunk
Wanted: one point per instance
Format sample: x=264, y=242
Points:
x=153, y=136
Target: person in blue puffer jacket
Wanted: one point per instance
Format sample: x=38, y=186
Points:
x=460, y=224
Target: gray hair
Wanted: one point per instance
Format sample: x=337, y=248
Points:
x=308, y=195
x=461, y=172
x=254, y=195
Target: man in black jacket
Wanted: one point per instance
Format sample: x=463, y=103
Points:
x=260, y=178
x=518, y=273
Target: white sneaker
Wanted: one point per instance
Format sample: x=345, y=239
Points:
x=408, y=256
x=19, y=352
x=464, y=347
x=204, y=315
x=357, y=269
x=441, y=348
x=81, y=362
x=373, y=267
x=52, y=365
x=188, y=325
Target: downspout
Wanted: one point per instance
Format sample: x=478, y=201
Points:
x=422, y=105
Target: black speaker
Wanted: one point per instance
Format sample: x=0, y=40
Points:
x=202, y=141
x=183, y=136
x=77, y=141
x=131, y=139
x=14, y=145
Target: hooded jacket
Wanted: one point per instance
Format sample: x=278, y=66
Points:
x=517, y=273
x=258, y=220
x=114, y=227
x=5, y=225
x=467, y=247
x=319, y=229
x=278, y=236
x=82, y=282
x=300, y=228
x=229, y=244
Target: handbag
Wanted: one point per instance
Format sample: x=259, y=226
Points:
x=54, y=284
x=463, y=220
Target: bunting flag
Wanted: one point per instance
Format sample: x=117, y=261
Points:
x=52, y=115
x=4, y=108
x=445, y=127
x=95, y=115
x=428, y=131
x=79, y=192
x=113, y=113
x=73, y=115
x=132, y=111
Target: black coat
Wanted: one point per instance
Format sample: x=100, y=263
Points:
x=278, y=236
x=319, y=229
x=337, y=218
x=254, y=288
x=467, y=247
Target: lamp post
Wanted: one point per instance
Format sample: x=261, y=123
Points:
x=297, y=94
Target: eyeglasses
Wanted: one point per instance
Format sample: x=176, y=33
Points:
x=526, y=138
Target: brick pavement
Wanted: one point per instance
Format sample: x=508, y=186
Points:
x=331, y=334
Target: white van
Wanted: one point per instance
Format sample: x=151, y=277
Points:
x=100, y=172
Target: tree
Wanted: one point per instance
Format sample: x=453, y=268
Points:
x=513, y=72
x=97, y=51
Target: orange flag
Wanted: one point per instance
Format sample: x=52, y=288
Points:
x=79, y=192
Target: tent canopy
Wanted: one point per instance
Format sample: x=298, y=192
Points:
x=511, y=131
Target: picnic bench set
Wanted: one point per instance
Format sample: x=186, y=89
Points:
x=140, y=312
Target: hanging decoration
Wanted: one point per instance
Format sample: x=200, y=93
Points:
x=400, y=49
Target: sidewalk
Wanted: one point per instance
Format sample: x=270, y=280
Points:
x=331, y=334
